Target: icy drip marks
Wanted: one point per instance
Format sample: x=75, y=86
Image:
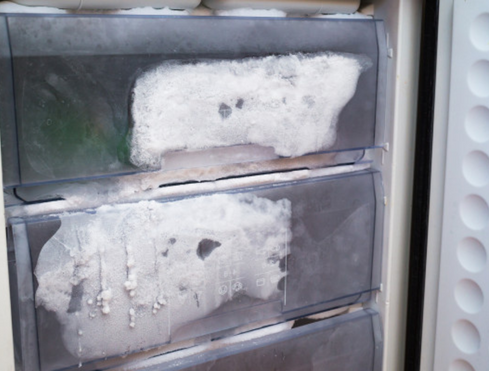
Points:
x=188, y=258
x=160, y=301
x=105, y=295
x=131, y=282
x=290, y=103
x=132, y=318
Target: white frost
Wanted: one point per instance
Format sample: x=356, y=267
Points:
x=249, y=12
x=289, y=102
x=191, y=257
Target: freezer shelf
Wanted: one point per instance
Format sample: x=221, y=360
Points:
x=92, y=96
x=350, y=342
x=124, y=278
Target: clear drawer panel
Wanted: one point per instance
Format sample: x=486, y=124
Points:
x=351, y=342
x=120, y=279
x=121, y=4
x=94, y=96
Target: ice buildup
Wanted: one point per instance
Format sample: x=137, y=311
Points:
x=128, y=276
x=288, y=102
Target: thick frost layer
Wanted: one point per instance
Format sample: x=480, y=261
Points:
x=290, y=103
x=125, y=277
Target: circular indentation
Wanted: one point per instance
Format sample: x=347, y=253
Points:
x=469, y=296
x=479, y=78
x=472, y=255
x=461, y=365
x=479, y=32
x=474, y=212
x=477, y=124
x=476, y=168
x=466, y=336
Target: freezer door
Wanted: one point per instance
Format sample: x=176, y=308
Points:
x=462, y=329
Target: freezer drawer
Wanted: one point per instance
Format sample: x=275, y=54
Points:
x=93, y=96
x=350, y=342
x=123, y=278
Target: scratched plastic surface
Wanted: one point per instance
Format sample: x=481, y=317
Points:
x=327, y=256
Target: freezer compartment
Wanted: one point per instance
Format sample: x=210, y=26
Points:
x=120, y=279
x=350, y=342
x=108, y=95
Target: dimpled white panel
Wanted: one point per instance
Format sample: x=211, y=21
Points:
x=462, y=338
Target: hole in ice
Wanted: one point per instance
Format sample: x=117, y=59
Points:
x=281, y=284
x=76, y=298
x=225, y=111
x=239, y=103
x=206, y=247
x=282, y=263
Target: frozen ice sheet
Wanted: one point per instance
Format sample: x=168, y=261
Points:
x=288, y=102
x=125, y=277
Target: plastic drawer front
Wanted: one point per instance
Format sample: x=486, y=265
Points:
x=294, y=7
x=351, y=342
x=124, y=278
x=93, y=96
x=121, y=4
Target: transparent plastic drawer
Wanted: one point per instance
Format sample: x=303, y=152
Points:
x=351, y=342
x=124, y=278
x=95, y=96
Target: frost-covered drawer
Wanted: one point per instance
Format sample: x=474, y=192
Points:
x=124, y=278
x=91, y=96
x=351, y=342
